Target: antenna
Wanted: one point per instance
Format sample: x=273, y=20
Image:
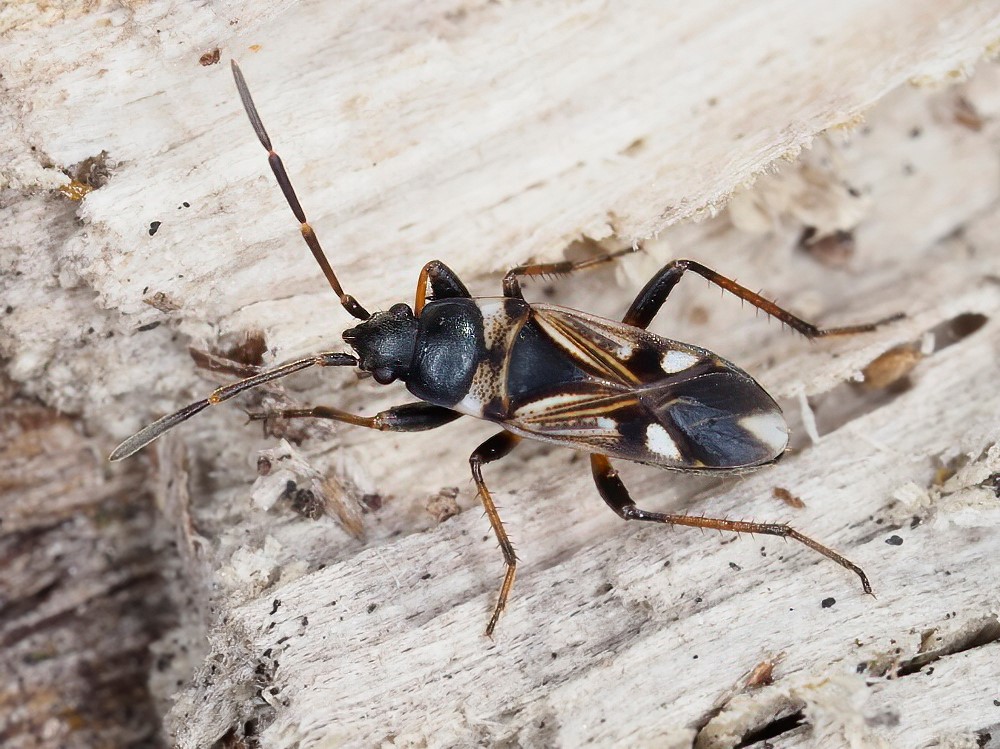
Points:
x=147, y=434
x=349, y=303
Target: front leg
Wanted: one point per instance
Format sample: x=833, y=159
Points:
x=445, y=284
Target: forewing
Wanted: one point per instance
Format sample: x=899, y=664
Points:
x=649, y=399
x=718, y=419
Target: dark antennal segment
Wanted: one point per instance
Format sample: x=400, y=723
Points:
x=146, y=435
x=349, y=303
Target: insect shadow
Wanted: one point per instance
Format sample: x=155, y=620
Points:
x=548, y=373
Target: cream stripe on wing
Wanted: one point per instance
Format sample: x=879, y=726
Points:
x=584, y=350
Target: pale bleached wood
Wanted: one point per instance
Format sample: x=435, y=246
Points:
x=485, y=134
x=385, y=652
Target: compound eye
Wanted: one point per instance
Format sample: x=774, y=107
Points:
x=383, y=375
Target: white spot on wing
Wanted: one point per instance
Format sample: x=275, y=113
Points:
x=769, y=428
x=659, y=442
x=677, y=361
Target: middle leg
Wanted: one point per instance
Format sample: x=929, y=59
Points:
x=616, y=495
x=512, y=287
x=492, y=449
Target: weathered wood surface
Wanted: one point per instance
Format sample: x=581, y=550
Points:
x=484, y=135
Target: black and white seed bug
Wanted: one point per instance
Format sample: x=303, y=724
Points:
x=548, y=373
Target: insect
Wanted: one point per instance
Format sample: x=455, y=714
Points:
x=547, y=373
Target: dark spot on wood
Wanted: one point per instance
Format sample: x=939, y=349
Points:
x=210, y=58
x=154, y=227
x=372, y=502
x=634, y=148
x=890, y=370
x=762, y=675
x=966, y=115
x=787, y=497
x=832, y=250
x=304, y=502
x=443, y=505
x=87, y=175
x=698, y=314
x=959, y=327
x=894, y=541
x=250, y=349
x=828, y=602
x=887, y=718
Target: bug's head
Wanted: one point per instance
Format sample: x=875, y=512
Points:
x=385, y=343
